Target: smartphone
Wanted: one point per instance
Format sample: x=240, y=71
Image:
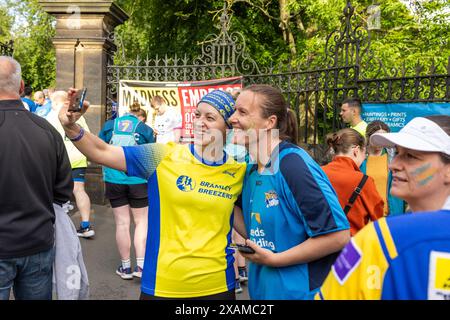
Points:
x=244, y=248
x=241, y=248
x=76, y=103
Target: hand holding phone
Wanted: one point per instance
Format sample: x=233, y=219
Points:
x=77, y=100
x=242, y=248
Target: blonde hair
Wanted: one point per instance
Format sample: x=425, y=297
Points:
x=157, y=100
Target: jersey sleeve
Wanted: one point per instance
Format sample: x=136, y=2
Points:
x=312, y=195
x=359, y=270
x=142, y=160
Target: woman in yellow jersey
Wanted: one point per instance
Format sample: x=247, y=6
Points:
x=192, y=190
x=376, y=166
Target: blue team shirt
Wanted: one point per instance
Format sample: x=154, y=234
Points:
x=291, y=201
x=44, y=110
x=422, y=268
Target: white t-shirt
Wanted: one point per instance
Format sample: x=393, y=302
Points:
x=166, y=123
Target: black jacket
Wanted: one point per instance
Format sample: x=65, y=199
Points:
x=34, y=172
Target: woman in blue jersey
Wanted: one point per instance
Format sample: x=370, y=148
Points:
x=292, y=215
x=192, y=191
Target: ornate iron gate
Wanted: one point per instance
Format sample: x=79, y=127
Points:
x=315, y=94
x=222, y=55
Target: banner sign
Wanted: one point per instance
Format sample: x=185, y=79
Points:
x=397, y=115
x=183, y=96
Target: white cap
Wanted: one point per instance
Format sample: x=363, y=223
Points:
x=419, y=134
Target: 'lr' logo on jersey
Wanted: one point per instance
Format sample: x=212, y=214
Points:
x=271, y=199
x=185, y=183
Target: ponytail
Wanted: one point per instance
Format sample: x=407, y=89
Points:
x=291, y=131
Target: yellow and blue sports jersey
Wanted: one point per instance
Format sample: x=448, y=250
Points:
x=290, y=201
x=190, y=219
x=395, y=258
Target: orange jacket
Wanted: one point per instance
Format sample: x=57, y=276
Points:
x=345, y=176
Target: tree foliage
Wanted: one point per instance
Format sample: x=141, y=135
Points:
x=5, y=25
x=32, y=30
x=274, y=31
x=411, y=31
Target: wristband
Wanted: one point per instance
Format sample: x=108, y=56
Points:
x=78, y=137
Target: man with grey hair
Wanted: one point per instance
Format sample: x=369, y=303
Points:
x=39, y=98
x=44, y=103
x=35, y=174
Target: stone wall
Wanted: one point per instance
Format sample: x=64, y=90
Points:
x=81, y=44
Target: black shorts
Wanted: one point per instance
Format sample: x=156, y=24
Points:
x=120, y=195
x=78, y=174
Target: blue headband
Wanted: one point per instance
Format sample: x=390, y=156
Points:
x=222, y=101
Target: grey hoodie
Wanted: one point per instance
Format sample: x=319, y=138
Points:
x=70, y=279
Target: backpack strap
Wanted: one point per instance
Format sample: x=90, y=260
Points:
x=355, y=194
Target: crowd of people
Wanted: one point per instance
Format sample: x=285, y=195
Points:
x=373, y=223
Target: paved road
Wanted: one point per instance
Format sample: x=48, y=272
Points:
x=101, y=258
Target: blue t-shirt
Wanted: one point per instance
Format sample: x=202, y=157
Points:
x=291, y=201
x=142, y=134
x=31, y=104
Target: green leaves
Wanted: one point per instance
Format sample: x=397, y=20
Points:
x=420, y=32
x=32, y=30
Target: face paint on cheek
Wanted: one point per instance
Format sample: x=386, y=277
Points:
x=424, y=174
x=251, y=127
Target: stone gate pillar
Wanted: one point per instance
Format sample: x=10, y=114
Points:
x=81, y=43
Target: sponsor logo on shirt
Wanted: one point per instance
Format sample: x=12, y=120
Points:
x=232, y=174
x=257, y=217
x=258, y=235
x=216, y=190
x=271, y=199
x=185, y=183
x=348, y=261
